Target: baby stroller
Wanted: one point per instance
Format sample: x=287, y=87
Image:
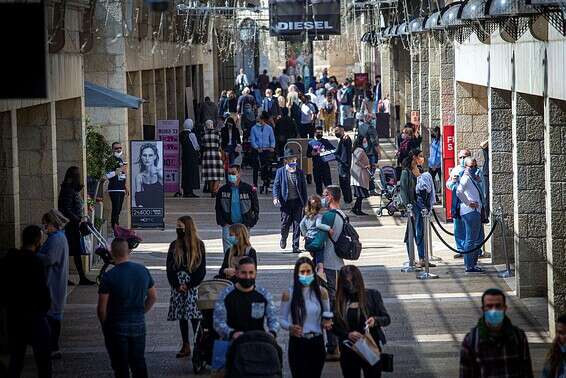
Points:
x=103, y=249
x=208, y=292
x=390, y=191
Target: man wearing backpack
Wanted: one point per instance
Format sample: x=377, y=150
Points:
x=346, y=98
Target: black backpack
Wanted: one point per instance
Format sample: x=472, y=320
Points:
x=348, y=245
x=254, y=354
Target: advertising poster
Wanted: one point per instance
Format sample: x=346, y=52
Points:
x=361, y=80
x=168, y=133
x=147, y=193
x=291, y=17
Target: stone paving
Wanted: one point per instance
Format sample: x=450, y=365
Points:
x=429, y=318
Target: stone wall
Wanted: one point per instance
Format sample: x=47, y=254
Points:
x=434, y=83
x=10, y=183
x=471, y=118
x=424, y=96
x=447, y=74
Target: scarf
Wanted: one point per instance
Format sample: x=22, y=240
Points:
x=189, y=125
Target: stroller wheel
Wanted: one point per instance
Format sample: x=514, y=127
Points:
x=379, y=212
x=390, y=212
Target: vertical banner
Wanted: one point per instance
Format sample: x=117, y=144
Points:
x=168, y=132
x=448, y=160
x=147, y=193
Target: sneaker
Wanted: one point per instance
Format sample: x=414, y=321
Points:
x=474, y=270
x=296, y=250
x=56, y=355
x=458, y=256
x=479, y=269
x=283, y=243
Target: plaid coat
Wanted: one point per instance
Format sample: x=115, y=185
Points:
x=212, y=165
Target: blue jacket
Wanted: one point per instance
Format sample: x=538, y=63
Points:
x=280, y=186
x=262, y=137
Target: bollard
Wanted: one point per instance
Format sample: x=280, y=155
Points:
x=508, y=272
x=410, y=265
x=426, y=275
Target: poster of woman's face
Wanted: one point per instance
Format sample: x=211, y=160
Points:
x=147, y=182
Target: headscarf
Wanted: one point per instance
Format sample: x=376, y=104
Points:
x=425, y=182
x=189, y=125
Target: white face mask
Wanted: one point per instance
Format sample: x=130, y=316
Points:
x=118, y=153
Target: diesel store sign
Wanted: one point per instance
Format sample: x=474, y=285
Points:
x=291, y=17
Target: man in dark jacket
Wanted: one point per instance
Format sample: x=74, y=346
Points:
x=116, y=174
x=271, y=106
x=236, y=202
x=290, y=194
x=344, y=159
x=321, y=168
x=246, y=111
x=495, y=347
x=25, y=295
x=285, y=129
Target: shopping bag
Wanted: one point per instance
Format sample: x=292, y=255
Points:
x=366, y=348
x=219, y=351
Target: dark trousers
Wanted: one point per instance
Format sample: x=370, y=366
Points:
x=358, y=204
x=291, y=214
x=117, y=199
x=306, y=130
x=262, y=162
x=331, y=280
x=31, y=332
x=79, y=265
x=436, y=172
x=306, y=356
x=55, y=329
x=184, y=326
x=322, y=176
x=126, y=352
x=345, y=188
x=352, y=365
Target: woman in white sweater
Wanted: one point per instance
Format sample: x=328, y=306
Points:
x=305, y=313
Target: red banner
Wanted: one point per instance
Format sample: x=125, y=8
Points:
x=448, y=160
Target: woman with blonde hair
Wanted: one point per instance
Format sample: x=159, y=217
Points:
x=240, y=247
x=186, y=268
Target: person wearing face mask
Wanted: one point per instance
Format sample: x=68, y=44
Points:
x=321, y=168
x=236, y=202
x=555, y=364
x=305, y=313
x=244, y=306
x=186, y=268
x=241, y=247
x=452, y=185
x=116, y=170
x=263, y=144
x=470, y=195
x=190, y=159
x=360, y=174
x=344, y=159
x=495, y=347
x=356, y=310
x=290, y=195
x=26, y=299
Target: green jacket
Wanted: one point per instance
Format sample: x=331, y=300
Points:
x=408, y=187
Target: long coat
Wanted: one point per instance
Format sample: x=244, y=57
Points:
x=190, y=162
x=359, y=173
x=71, y=205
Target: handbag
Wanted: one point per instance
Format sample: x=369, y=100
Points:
x=219, y=351
x=366, y=348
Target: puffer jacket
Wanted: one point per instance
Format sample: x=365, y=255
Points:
x=249, y=205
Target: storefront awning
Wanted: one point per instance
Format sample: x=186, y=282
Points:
x=98, y=96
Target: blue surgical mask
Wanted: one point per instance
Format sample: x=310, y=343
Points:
x=292, y=165
x=365, y=145
x=232, y=240
x=324, y=202
x=494, y=318
x=473, y=170
x=306, y=280
x=232, y=178
x=462, y=163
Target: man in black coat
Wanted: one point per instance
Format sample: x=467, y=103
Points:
x=285, y=129
x=321, y=168
x=344, y=159
x=116, y=170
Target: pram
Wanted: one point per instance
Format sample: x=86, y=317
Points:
x=390, y=191
x=103, y=250
x=205, y=335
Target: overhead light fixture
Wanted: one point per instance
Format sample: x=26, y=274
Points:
x=417, y=25
x=402, y=30
x=476, y=14
x=513, y=17
x=433, y=22
x=554, y=11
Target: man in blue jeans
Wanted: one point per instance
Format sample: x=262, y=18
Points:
x=470, y=211
x=125, y=294
x=452, y=184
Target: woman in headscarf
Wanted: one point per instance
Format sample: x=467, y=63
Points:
x=212, y=166
x=190, y=159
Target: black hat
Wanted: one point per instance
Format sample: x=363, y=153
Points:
x=289, y=154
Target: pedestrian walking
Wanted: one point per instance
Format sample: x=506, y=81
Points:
x=346, y=100
x=285, y=129
x=358, y=309
x=55, y=255
x=310, y=226
x=281, y=101
x=344, y=159
x=190, y=159
x=231, y=143
x=305, y=312
x=26, y=298
x=263, y=144
x=452, y=185
x=232, y=104
x=116, y=171
x=555, y=363
x=435, y=156
x=321, y=168
x=186, y=268
x=271, y=106
x=284, y=81
x=263, y=81
x=274, y=85
x=125, y=294
x=240, y=247
x=212, y=165
x=236, y=202
x=242, y=81
x=309, y=112
x=328, y=111
x=70, y=204
x=246, y=111
x=223, y=103
x=208, y=110
x=359, y=174
x=495, y=347
x=290, y=195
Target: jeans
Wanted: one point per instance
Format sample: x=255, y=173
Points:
x=459, y=233
x=291, y=215
x=306, y=356
x=472, y=225
x=34, y=332
x=126, y=352
x=117, y=199
x=332, y=281
x=345, y=112
x=419, y=232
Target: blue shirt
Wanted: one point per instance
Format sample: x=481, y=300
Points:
x=235, y=209
x=434, y=160
x=127, y=285
x=262, y=137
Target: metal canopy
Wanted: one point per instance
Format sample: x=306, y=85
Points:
x=474, y=10
x=102, y=97
x=402, y=30
x=450, y=16
x=510, y=8
x=417, y=25
x=432, y=22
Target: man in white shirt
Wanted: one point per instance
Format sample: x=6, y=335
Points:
x=241, y=81
x=469, y=193
x=284, y=81
x=451, y=184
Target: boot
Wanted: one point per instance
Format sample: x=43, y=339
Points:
x=184, y=352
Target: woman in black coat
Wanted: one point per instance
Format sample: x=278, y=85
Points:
x=190, y=158
x=229, y=139
x=285, y=129
x=71, y=205
x=357, y=307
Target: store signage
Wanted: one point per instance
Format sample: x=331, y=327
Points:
x=168, y=132
x=316, y=17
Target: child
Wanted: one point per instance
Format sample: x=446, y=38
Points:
x=311, y=224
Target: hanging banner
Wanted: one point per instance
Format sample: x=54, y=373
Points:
x=148, y=196
x=168, y=132
x=316, y=17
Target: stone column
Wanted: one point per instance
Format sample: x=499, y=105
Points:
x=434, y=83
x=160, y=94
x=70, y=136
x=171, y=84
x=501, y=169
x=10, y=183
x=37, y=154
x=415, y=75
x=447, y=75
x=471, y=118
x=424, y=93
x=528, y=196
x=555, y=167
x=135, y=116
x=180, y=88
x=148, y=93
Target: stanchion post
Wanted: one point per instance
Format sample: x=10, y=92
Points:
x=426, y=275
x=431, y=257
x=410, y=265
x=508, y=272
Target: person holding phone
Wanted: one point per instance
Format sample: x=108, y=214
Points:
x=116, y=171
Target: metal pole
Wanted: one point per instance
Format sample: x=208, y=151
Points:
x=426, y=275
x=508, y=272
x=429, y=230
x=410, y=265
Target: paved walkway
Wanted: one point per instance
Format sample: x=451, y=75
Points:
x=429, y=318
